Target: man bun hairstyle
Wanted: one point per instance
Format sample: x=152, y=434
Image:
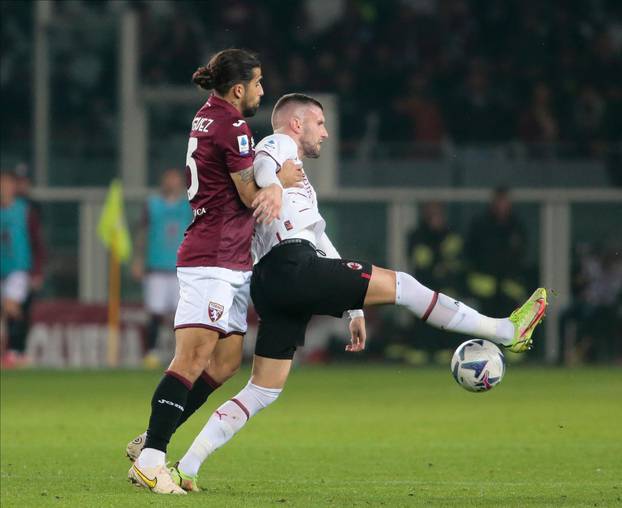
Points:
x=226, y=69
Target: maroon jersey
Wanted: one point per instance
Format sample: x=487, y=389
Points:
x=222, y=228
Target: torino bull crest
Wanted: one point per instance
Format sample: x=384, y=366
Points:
x=215, y=311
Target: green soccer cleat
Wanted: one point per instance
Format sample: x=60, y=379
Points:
x=525, y=319
x=186, y=482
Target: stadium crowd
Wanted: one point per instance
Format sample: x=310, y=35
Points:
x=473, y=72
x=470, y=72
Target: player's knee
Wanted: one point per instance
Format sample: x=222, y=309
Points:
x=201, y=358
x=183, y=359
x=225, y=369
x=188, y=364
x=382, y=287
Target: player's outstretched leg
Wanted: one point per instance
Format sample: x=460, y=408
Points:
x=441, y=311
x=267, y=381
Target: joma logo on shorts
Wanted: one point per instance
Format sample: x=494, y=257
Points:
x=164, y=401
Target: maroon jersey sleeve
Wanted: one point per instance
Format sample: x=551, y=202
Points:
x=237, y=146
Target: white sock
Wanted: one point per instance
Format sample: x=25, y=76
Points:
x=224, y=423
x=150, y=457
x=445, y=313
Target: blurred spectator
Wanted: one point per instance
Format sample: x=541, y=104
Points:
x=538, y=125
x=165, y=218
x=591, y=327
x=15, y=76
x=24, y=186
x=475, y=112
x=495, y=250
x=424, y=116
x=589, y=120
x=613, y=132
x=20, y=267
x=435, y=254
x=481, y=61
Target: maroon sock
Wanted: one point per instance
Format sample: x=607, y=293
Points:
x=202, y=389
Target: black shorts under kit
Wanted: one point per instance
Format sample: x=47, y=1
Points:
x=292, y=283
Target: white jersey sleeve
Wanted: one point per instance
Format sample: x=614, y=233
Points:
x=300, y=216
x=279, y=147
x=266, y=168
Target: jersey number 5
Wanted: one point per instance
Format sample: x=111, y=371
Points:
x=191, y=164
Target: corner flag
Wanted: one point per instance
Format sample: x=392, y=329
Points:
x=112, y=227
x=113, y=232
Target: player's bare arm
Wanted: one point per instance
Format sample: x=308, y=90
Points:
x=245, y=185
x=266, y=202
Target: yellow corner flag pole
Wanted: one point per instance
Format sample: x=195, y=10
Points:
x=114, y=234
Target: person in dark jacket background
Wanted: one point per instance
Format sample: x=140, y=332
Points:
x=495, y=249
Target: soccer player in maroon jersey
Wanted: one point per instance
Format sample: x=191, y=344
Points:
x=214, y=260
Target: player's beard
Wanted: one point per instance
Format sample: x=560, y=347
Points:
x=309, y=149
x=249, y=110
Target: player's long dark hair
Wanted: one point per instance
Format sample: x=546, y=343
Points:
x=226, y=69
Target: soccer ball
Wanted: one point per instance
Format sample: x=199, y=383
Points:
x=478, y=365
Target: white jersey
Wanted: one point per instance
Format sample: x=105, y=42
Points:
x=300, y=217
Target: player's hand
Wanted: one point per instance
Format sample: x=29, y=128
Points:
x=267, y=204
x=291, y=174
x=358, y=335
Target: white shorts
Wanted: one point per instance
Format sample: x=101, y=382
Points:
x=161, y=292
x=15, y=286
x=213, y=298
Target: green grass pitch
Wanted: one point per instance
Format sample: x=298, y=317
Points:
x=338, y=436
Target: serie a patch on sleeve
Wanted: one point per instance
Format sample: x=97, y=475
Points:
x=243, y=145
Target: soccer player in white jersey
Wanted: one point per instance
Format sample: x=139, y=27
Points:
x=299, y=273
